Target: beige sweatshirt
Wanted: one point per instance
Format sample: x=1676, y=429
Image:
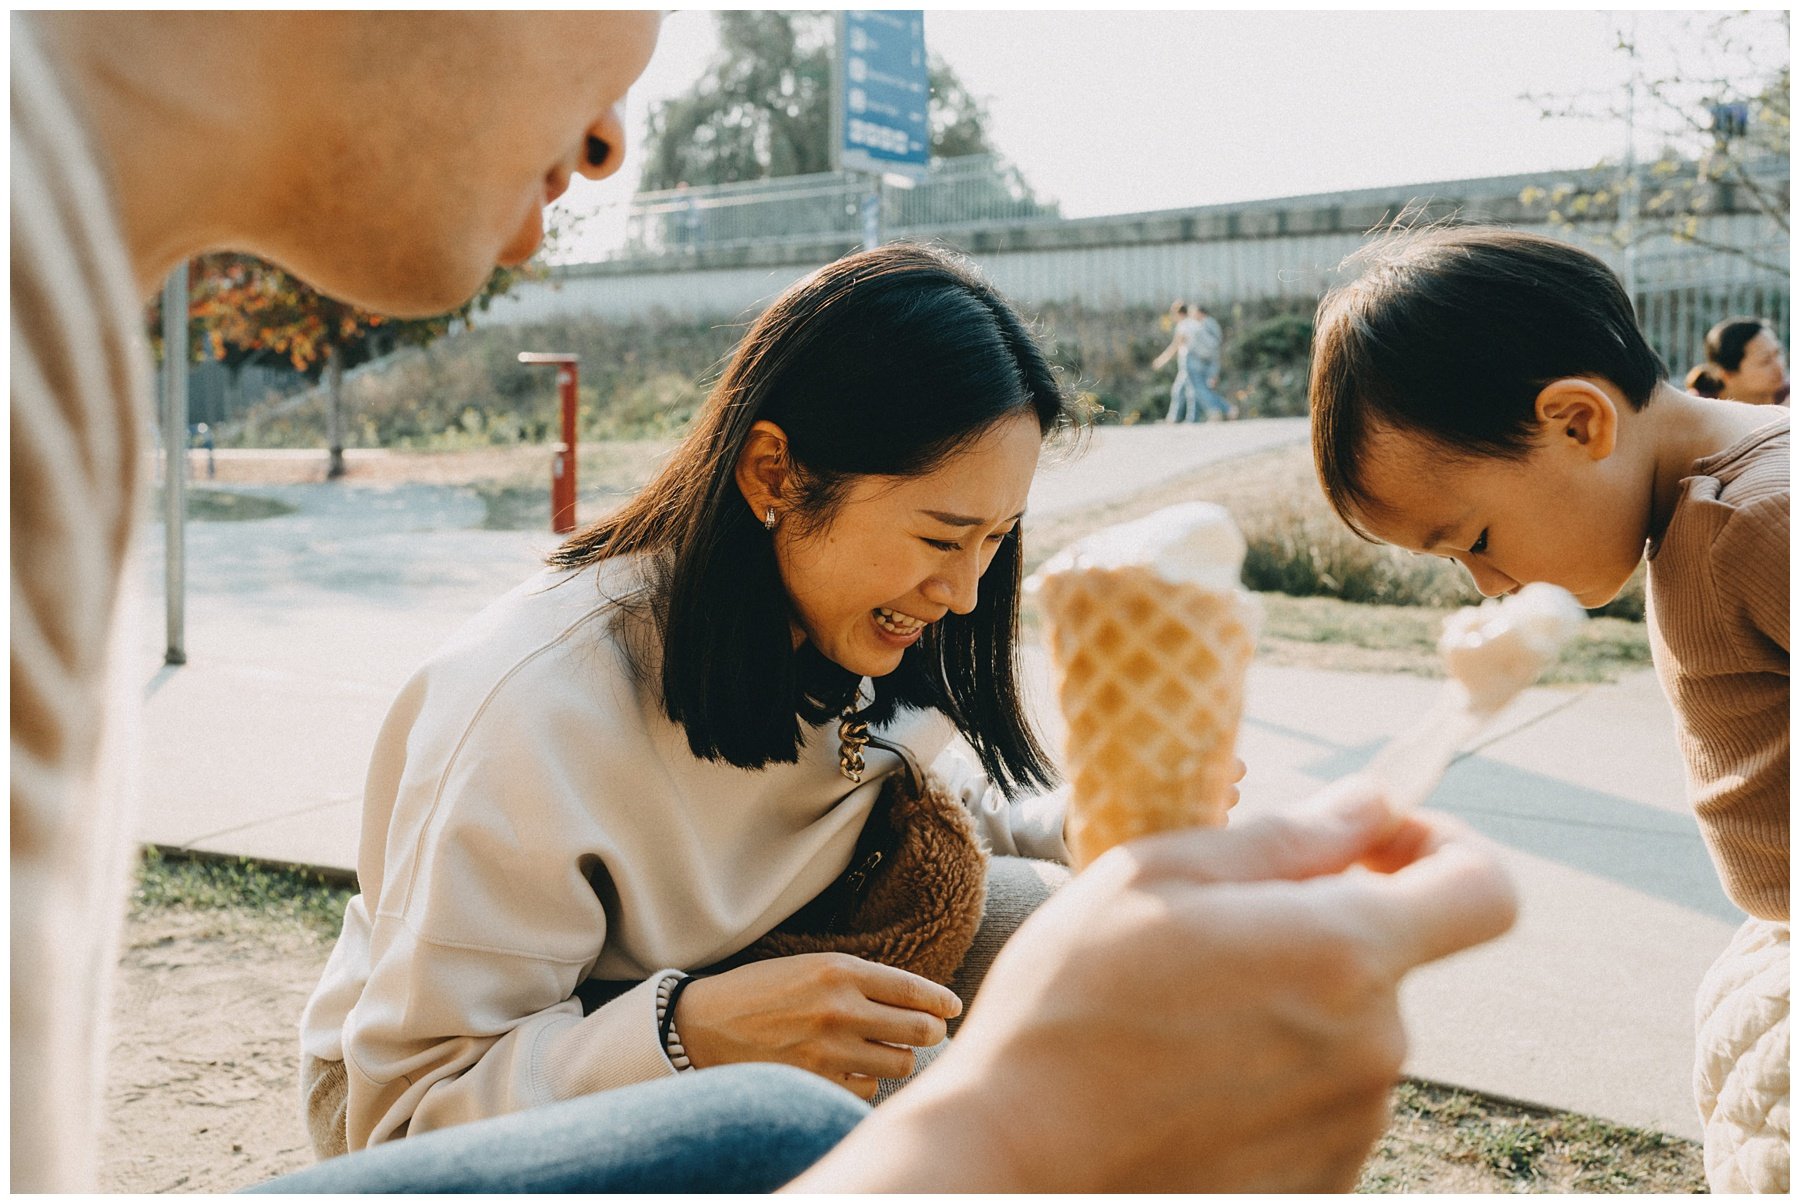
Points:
x=80, y=400
x=1718, y=602
x=531, y=820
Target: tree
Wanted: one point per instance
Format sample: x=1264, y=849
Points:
x=763, y=111
x=1720, y=107
x=241, y=309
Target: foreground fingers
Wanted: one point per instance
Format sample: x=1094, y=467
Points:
x=1328, y=833
x=1454, y=895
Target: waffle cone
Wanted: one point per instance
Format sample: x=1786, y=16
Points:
x=1150, y=677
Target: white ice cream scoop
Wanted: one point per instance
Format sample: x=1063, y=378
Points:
x=1193, y=543
x=1491, y=652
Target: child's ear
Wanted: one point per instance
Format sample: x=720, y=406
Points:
x=762, y=469
x=1578, y=412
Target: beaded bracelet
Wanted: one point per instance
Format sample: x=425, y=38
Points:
x=667, y=992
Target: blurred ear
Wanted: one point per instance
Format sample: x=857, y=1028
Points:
x=762, y=468
x=1579, y=413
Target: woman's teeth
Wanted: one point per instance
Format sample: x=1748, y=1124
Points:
x=895, y=623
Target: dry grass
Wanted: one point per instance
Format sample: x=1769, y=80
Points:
x=1331, y=600
x=1445, y=1140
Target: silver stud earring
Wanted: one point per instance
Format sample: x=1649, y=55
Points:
x=769, y=519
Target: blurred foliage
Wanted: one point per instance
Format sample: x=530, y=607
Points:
x=762, y=111
x=763, y=108
x=243, y=309
x=639, y=378
x=1733, y=66
x=645, y=377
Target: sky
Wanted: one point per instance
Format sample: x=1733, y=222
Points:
x=1119, y=112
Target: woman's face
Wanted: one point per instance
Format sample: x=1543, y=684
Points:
x=902, y=552
x=1762, y=377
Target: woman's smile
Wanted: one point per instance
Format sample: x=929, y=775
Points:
x=897, y=627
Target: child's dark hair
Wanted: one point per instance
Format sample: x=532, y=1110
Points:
x=1725, y=342
x=885, y=363
x=1449, y=334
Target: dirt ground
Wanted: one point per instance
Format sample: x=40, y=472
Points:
x=202, y=1096
x=201, y=1087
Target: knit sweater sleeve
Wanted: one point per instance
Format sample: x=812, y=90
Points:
x=492, y=914
x=1751, y=565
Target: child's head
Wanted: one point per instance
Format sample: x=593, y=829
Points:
x=1469, y=392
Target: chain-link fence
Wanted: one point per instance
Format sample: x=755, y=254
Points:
x=803, y=210
x=1680, y=297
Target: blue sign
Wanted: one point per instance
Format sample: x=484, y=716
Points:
x=883, y=92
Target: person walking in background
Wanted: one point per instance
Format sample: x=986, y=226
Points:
x=1181, y=397
x=1205, y=347
x=1749, y=362
x=1195, y=348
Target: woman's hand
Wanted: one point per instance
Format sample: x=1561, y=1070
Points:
x=1213, y=1010
x=852, y=1021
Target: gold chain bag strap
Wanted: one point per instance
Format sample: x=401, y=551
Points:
x=915, y=889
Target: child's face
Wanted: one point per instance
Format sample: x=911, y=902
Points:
x=1560, y=515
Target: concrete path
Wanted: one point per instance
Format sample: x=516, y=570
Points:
x=302, y=628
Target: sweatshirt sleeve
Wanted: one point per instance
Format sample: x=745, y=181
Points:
x=491, y=916
x=1030, y=827
x=1750, y=563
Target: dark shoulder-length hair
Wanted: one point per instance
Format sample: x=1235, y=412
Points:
x=884, y=363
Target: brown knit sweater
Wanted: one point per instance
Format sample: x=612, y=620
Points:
x=1719, y=634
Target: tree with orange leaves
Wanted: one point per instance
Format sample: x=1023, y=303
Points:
x=240, y=306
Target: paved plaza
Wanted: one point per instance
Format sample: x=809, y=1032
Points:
x=301, y=629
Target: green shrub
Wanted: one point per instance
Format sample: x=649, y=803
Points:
x=1297, y=546
x=645, y=377
x=206, y=883
x=1291, y=551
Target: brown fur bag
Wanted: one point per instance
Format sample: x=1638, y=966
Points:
x=912, y=897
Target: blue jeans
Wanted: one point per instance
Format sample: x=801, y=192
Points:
x=1192, y=390
x=743, y=1128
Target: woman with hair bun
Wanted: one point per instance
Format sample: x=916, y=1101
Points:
x=1747, y=358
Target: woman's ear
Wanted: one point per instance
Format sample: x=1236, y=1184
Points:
x=1580, y=413
x=762, y=470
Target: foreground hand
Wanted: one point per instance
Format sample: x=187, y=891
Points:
x=849, y=1020
x=1212, y=1010
x=1233, y=795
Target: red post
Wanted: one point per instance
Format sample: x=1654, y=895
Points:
x=562, y=462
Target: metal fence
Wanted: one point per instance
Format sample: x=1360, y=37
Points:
x=798, y=210
x=1679, y=298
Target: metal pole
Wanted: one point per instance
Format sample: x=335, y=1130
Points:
x=174, y=424
x=1628, y=196
x=838, y=116
x=562, y=512
x=871, y=215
